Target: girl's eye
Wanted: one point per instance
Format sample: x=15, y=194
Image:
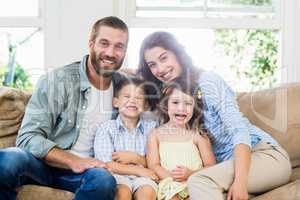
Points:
x=126, y=96
x=175, y=102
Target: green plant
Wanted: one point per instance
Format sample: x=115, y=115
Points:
x=253, y=53
x=20, y=79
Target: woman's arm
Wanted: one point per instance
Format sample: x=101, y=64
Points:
x=153, y=160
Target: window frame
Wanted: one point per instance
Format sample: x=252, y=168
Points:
x=284, y=21
x=22, y=22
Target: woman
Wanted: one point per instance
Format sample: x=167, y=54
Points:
x=250, y=160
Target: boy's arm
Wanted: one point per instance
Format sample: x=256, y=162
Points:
x=129, y=157
x=103, y=145
x=136, y=170
x=153, y=160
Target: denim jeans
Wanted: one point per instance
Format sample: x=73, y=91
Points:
x=18, y=167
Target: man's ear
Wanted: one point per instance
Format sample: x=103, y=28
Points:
x=115, y=102
x=91, y=44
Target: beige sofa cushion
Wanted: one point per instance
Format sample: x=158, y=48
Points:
x=12, y=108
x=286, y=192
x=34, y=192
x=276, y=111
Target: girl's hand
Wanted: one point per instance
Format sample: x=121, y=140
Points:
x=181, y=173
x=238, y=191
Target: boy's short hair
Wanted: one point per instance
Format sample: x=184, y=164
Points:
x=129, y=79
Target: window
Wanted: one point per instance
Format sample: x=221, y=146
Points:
x=239, y=39
x=21, y=41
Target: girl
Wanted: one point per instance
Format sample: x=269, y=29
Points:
x=177, y=149
x=250, y=160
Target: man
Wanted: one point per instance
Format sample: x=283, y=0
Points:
x=54, y=144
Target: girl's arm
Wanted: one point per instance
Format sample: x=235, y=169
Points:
x=153, y=160
x=205, y=149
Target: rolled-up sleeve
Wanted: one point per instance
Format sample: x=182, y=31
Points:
x=37, y=122
x=221, y=97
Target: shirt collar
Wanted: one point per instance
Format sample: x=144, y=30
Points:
x=139, y=126
x=84, y=81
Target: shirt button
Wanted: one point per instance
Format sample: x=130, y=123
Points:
x=70, y=121
x=83, y=107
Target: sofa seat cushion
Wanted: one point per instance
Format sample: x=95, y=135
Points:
x=34, y=192
x=290, y=191
x=7, y=141
x=295, y=174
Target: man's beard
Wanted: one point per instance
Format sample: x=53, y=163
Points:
x=101, y=71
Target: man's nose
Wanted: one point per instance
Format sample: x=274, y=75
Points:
x=110, y=51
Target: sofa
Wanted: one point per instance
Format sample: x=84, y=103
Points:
x=277, y=111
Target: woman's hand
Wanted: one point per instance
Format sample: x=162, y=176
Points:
x=238, y=191
x=181, y=173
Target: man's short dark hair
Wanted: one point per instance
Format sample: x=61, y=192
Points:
x=111, y=21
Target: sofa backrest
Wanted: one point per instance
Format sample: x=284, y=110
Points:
x=276, y=111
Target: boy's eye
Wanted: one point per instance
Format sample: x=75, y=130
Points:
x=139, y=97
x=175, y=102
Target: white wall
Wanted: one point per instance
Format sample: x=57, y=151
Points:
x=67, y=26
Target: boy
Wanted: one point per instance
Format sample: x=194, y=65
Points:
x=121, y=143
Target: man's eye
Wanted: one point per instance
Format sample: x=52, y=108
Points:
x=120, y=47
x=104, y=44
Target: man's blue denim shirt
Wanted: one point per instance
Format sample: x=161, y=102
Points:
x=56, y=108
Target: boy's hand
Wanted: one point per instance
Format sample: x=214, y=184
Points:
x=125, y=157
x=181, y=173
x=144, y=172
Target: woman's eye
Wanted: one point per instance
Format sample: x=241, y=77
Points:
x=164, y=58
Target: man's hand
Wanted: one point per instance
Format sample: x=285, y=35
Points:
x=181, y=173
x=125, y=157
x=144, y=172
x=79, y=165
